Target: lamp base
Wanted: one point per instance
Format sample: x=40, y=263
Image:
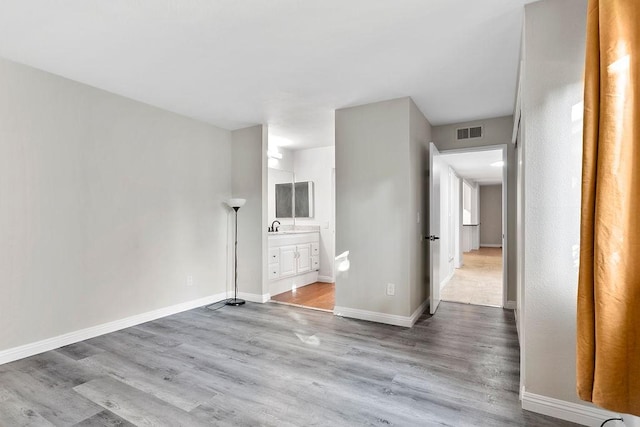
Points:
x=235, y=302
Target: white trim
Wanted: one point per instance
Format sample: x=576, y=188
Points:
x=446, y=280
x=301, y=306
x=421, y=309
x=511, y=305
x=490, y=245
x=48, y=344
x=517, y=109
x=374, y=316
x=252, y=297
x=326, y=279
x=505, y=224
x=517, y=317
x=569, y=411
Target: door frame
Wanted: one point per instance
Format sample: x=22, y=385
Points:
x=505, y=204
x=435, y=226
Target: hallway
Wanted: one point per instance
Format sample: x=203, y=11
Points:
x=479, y=281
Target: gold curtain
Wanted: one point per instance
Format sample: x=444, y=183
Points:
x=608, y=345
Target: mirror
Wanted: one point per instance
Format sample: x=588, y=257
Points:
x=279, y=181
x=301, y=199
x=288, y=199
x=304, y=199
x=284, y=200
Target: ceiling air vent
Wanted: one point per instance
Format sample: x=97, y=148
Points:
x=473, y=132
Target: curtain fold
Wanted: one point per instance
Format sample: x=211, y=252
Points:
x=608, y=316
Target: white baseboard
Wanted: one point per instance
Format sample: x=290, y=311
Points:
x=490, y=245
x=511, y=305
x=374, y=316
x=421, y=309
x=252, y=297
x=444, y=282
x=48, y=344
x=586, y=415
x=326, y=279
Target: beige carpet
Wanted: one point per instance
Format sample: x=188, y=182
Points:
x=479, y=281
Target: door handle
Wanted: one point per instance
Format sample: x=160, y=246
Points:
x=433, y=237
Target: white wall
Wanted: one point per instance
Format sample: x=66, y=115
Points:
x=471, y=216
x=418, y=214
x=316, y=165
x=249, y=181
x=276, y=176
x=283, y=164
x=106, y=206
x=279, y=171
x=372, y=195
x=490, y=198
x=448, y=178
x=456, y=188
x=552, y=137
x=378, y=197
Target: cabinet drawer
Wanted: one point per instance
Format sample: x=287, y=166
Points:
x=315, y=263
x=315, y=249
x=274, y=271
x=274, y=255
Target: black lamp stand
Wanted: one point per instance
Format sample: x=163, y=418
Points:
x=235, y=301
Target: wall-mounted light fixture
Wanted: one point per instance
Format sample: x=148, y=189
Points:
x=274, y=154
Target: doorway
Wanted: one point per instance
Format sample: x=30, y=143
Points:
x=301, y=242
x=472, y=226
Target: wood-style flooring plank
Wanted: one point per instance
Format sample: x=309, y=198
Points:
x=104, y=419
x=278, y=365
x=16, y=412
x=60, y=406
x=316, y=295
x=167, y=387
x=135, y=406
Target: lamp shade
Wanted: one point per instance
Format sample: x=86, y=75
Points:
x=236, y=203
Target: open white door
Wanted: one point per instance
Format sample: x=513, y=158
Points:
x=435, y=168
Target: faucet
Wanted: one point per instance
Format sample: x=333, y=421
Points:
x=273, y=227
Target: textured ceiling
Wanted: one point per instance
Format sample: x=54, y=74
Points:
x=476, y=166
x=286, y=63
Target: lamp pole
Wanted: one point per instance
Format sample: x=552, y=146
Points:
x=235, y=301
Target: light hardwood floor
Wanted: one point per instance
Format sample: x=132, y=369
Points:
x=479, y=281
x=277, y=365
x=316, y=295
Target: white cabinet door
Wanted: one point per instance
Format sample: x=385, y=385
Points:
x=274, y=271
x=304, y=258
x=287, y=261
x=274, y=255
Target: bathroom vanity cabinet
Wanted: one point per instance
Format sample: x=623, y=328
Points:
x=294, y=260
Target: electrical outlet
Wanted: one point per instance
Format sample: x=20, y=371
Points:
x=391, y=289
x=189, y=280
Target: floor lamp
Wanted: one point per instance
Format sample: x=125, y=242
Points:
x=235, y=204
